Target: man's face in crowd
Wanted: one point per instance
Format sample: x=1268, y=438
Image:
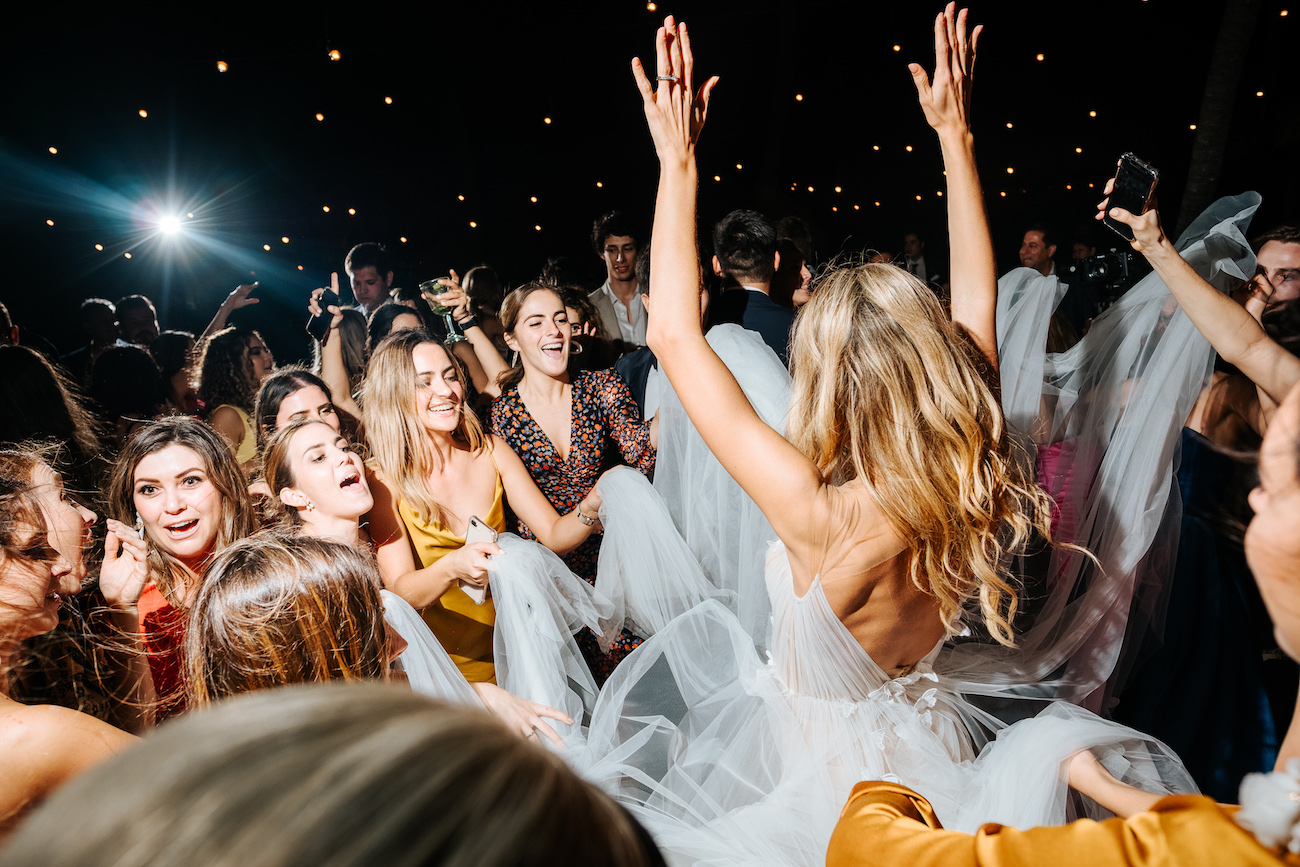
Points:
x=619, y=254
x=912, y=246
x=1083, y=251
x=139, y=325
x=1034, y=253
x=370, y=287
x=1280, y=263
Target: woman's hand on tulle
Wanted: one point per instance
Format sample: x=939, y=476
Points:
x=520, y=714
x=674, y=111
x=1148, y=234
x=946, y=99
x=125, y=569
x=1087, y=774
x=469, y=563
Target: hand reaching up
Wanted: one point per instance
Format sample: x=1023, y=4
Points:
x=125, y=570
x=1148, y=234
x=946, y=99
x=674, y=111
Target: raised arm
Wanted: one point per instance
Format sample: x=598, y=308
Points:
x=1232, y=331
x=946, y=103
x=332, y=369
x=777, y=476
x=237, y=299
x=481, y=357
x=560, y=533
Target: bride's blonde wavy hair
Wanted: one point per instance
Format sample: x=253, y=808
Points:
x=887, y=390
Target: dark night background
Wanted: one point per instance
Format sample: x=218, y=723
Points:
x=243, y=152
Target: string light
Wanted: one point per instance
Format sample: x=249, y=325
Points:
x=299, y=267
x=402, y=239
x=1192, y=126
x=650, y=7
x=1069, y=187
x=538, y=228
x=1090, y=186
x=898, y=48
x=1259, y=93
x=352, y=212
x=1283, y=13
x=875, y=147
x=54, y=150
x=877, y=204
x=326, y=209
x=837, y=189
x=284, y=239
x=127, y=255
x=99, y=247
x=918, y=198
x=1008, y=124
x=599, y=184
x=798, y=97
x=320, y=116
x=1092, y=114
x=473, y=225
x=546, y=120
x=222, y=66
x=49, y=222
x=190, y=215
x=335, y=54
x=1078, y=150
x=739, y=167
x=1010, y=170
x=1039, y=57
x=388, y=100
x=532, y=199
x=266, y=246
x=810, y=189
x=833, y=208
x=857, y=207
x=938, y=192
x=717, y=177
x=143, y=113
x=460, y=198
x=1003, y=194
x=909, y=149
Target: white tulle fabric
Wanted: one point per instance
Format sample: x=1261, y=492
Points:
x=723, y=527
x=645, y=568
x=539, y=605
x=728, y=759
x=428, y=668
x=1112, y=408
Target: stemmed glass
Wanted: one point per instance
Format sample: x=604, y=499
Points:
x=431, y=289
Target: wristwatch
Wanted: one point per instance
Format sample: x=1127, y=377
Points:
x=587, y=522
x=468, y=323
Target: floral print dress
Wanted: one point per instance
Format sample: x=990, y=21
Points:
x=604, y=418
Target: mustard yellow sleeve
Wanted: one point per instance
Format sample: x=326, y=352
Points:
x=889, y=824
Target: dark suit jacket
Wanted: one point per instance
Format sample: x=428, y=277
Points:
x=755, y=311
x=634, y=367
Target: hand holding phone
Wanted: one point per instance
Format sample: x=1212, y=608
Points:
x=319, y=324
x=477, y=532
x=1135, y=181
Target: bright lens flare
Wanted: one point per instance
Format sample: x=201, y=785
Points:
x=169, y=225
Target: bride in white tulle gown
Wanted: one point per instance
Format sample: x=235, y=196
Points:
x=898, y=494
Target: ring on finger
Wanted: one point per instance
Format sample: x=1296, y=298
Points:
x=670, y=78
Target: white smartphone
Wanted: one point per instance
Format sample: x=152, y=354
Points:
x=477, y=532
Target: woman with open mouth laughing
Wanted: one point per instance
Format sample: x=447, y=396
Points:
x=562, y=425
x=435, y=468
x=178, y=483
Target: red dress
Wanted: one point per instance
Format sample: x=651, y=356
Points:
x=606, y=429
x=163, y=627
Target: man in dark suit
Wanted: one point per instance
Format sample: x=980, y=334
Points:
x=745, y=257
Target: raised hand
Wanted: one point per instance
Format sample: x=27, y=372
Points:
x=239, y=298
x=674, y=111
x=125, y=570
x=1148, y=234
x=313, y=303
x=946, y=99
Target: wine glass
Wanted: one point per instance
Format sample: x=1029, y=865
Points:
x=430, y=290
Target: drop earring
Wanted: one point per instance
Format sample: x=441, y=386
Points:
x=139, y=525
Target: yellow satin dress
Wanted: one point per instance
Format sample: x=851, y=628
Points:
x=463, y=628
x=886, y=823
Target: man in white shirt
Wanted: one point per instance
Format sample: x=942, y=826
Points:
x=618, y=301
x=370, y=271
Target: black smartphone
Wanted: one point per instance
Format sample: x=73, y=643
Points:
x=1135, y=181
x=319, y=325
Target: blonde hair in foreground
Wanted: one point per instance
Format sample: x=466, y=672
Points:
x=399, y=444
x=887, y=390
x=343, y=775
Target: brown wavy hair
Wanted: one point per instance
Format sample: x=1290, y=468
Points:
x=510, y=318
x=278, y=609
x=219, y=465
x=888, y=391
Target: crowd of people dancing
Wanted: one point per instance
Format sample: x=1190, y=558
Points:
x=843, y=569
